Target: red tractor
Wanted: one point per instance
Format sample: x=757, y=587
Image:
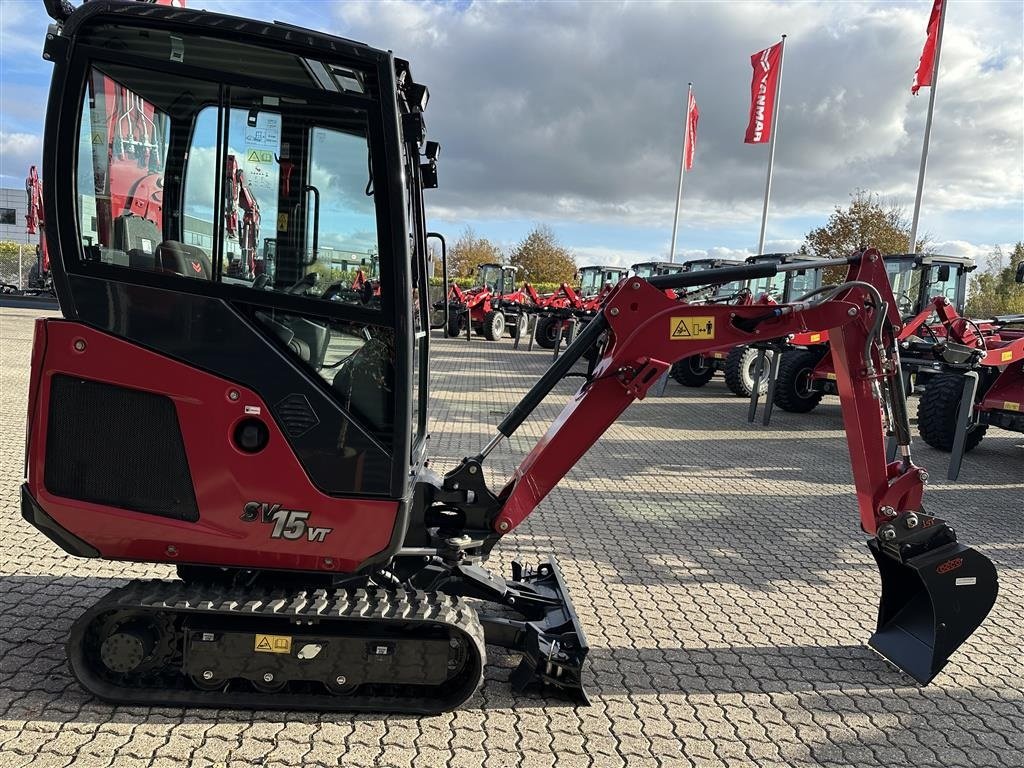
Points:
x=491, y=307
x=567, y=303
x=806, y=372
x=975, y=379
x=742, y=365
x=272, y=445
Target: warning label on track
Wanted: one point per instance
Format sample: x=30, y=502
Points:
x=692, y=328
x=273, y=644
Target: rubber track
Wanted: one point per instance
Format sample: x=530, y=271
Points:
x=404, y=606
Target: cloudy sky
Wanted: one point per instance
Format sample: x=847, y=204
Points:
x=570, y=114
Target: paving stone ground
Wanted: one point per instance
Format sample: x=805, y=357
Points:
x=719, y=571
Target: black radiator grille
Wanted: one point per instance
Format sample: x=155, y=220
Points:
x=118, y=447
x=296, y=414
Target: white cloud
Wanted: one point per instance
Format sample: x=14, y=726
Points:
x=17, y=152
x=572, y=111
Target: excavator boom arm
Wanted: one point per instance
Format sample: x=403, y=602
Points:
x=648, y=332
x=935, y=590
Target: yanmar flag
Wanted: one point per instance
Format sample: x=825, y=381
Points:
x=692, y=115
x=762, y=93
x=923, y=75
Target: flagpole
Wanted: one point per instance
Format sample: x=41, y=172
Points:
x=682, y=165
x=771, y=147
x=927, y=130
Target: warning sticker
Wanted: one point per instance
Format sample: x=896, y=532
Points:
x=273, y=644
x=692, y=328
x=1008, y=406
x=282, y=222
x=1006, y=356
x=815, y=337
x=259, y=156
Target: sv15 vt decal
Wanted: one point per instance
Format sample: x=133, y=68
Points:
x=291, y=524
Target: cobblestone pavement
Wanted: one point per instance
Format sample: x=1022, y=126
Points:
x=719, y=572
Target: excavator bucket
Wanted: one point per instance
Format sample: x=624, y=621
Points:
x=931, y=603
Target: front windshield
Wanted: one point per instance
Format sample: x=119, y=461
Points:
x=490, y=276
x=803, y=282
x=773, y=286
x=905, y=280
x=937, y=287
x=590, y=281
x=728, y=289
x=643, y=270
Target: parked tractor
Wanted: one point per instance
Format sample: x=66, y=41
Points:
x=741, y=364
x=491, y=307
x=568, y=303
x=806, y=372
x=975, y=379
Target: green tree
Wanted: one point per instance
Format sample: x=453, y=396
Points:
x=868, y=222
x=469, y=251
x=995, y=290
x=543, y=259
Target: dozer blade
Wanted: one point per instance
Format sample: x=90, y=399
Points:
x=551, y=639
x=932, y=600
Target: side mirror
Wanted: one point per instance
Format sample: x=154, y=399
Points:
x=943, y=273
x=444, y=276
x=1020, y=273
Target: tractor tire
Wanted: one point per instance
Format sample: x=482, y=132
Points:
x=494, y=325
x=546, y=332
x=517, y=330
x=693, y=371
x=792, y=388
x=456, y=323
x=739, y=371
x=937, y=413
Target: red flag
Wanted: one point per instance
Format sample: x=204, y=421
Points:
x=692, y=115
x=762, y=94
x=923, y=75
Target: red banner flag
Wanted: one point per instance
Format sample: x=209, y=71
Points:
x=763, y=87
x=692, y=115
x=923, y=75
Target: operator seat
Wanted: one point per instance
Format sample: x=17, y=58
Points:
x=182, y=259
x=366, y=384
x=139, y=238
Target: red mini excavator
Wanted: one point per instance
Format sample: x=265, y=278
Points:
x=271, y=443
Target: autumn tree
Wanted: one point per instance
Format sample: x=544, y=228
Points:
x=995, y=291
x=543, y=259
x=868, y=222
x=469, y=251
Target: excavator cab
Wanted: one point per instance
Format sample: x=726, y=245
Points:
x=157, y=120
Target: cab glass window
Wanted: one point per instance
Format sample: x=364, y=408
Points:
x=261, y=191
x=122, y=153
x=905, y=281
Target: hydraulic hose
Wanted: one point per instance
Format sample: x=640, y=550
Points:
x=553, y=375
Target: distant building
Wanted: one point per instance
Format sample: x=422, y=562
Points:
x=13, y=209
